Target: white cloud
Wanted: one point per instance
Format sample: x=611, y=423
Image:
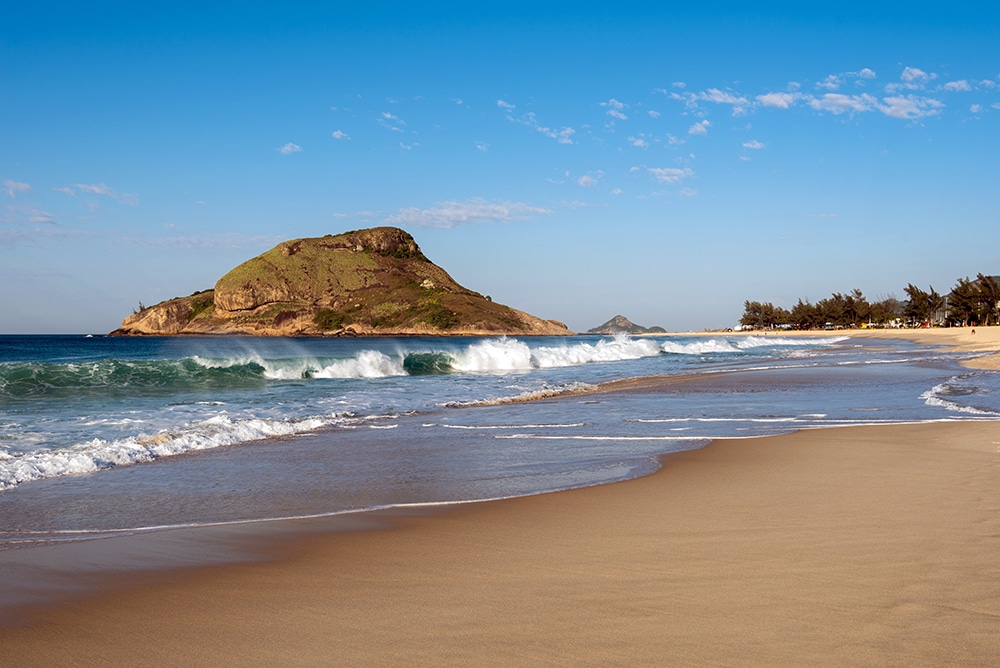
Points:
x=753, y=144
x=102, y=189
x=32, y=214
x=289, y=148
x=615, y=109
x=961, y=85
x=616, y=191
x=563, y=135
x=670, y=174
x=482, y=146
x=14, y=187
x=835, y=81
x=838, y=103
x=653, y=113
x=699, y=128
x=915, y=74
x=779, y=100
x=405, y=147
x=715, y=96
x=456, y=214
x=390, y=121
x=976, y=108
x=912, y=78
x=95, y=189
x=910, y=107
x=232, y=240
x=340, y=135
x=506, y=106
x=832, y=82
x=638, y=142
x=587, y=181
x=679, y=84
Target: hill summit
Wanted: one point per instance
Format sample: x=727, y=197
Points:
x=366, y=282
x=622, y=325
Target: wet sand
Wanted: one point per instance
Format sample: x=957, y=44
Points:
x=854, y=546
x=858, y=546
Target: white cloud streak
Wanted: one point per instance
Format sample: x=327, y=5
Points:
x=456, y=214
x=289, y=148
x=563, y=135
x=102, y=189
x=340, y=135
x=14, y=188
x=670, y=175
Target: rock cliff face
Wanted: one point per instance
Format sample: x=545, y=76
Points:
x=368, y=282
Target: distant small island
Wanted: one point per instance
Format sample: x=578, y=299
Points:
x=373, y=282
x=622, y=325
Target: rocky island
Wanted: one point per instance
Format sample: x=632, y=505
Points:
x=373, y=282
x=622, y=325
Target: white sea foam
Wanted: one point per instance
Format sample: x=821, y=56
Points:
x=99, y=454
x=614, y=350
x=736, y=345
x=368, y=364
x=510, y=426
x=505, y=355
x=494, y=355
x=529, y=395
x=935, y=397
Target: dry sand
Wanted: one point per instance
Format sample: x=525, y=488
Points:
x=859, y=546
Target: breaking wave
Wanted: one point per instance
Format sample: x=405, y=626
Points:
x=743, y=344
x=98, y=454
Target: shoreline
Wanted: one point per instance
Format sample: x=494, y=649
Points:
x=848, y=545
x=984, y=340
x=845, y=546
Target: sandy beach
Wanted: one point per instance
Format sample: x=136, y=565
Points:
x=853, y=546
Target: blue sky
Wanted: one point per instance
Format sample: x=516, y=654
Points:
x=665, y=162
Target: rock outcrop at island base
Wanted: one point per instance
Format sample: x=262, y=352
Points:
x=373, y=282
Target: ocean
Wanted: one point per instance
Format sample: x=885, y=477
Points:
x=109, y=437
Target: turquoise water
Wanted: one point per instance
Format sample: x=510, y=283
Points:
x=101, y=436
